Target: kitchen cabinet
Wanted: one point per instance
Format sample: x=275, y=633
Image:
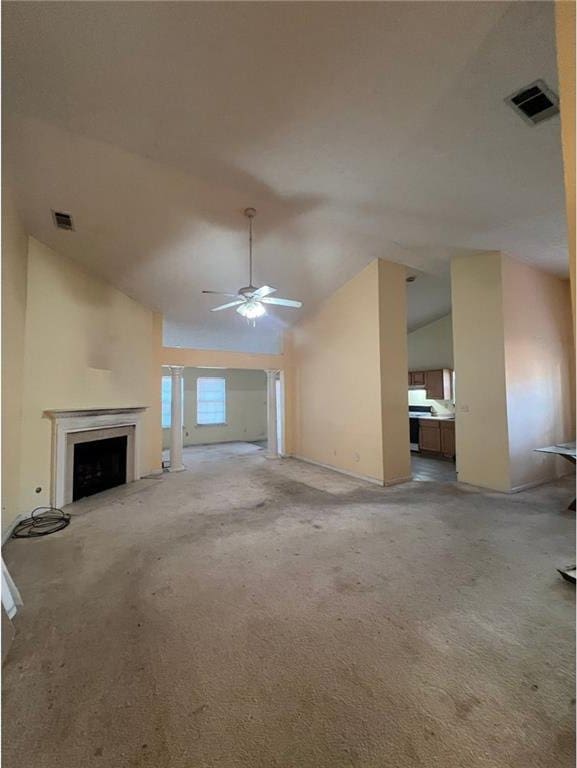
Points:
x=417, y=379
x=437, y=437
x=437, y=383
x=429, y=436
x=447, y=438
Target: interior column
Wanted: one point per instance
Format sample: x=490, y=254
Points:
x=272, y=436
x=176, y=464
x=393, y=365
x=480, y=384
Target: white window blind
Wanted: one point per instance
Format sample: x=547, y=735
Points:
x=166, y=400
x=210, y=400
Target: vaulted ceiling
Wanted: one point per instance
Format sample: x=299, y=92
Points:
x=358, y=130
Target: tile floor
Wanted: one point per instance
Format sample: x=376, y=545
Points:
x=428, y=468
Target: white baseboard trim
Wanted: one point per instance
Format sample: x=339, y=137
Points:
x=366, y=478
x=7, y=532
x=517, y=488
x=537, y=483
x=221, y=442
x=152, y=473
x=398, y=481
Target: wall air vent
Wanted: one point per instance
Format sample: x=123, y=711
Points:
x=535, y=102
x=62, y=220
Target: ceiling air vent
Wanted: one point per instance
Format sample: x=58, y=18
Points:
x=62, y=220
x=535, y=102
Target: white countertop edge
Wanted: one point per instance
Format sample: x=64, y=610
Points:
x=432, y=418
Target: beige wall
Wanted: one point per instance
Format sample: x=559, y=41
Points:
x=538, y=368
x=337, y=380
x=246, y=414
x=514, y=363
x=565, y=29
x=86, y=346
x=346, y=378
x=431, y=346
x=392, y=302
x=14, y=274
x=479, y=354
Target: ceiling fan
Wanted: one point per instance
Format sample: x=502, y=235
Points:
x=250, y=301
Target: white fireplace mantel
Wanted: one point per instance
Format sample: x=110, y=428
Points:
x=65, y=422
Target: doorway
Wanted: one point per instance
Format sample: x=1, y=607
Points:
x=220, y=406
x=431, y=377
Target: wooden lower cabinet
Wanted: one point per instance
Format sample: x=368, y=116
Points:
x=429, y=436
x=448, y=438
x=437, y=437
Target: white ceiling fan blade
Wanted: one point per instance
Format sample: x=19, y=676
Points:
x=221, y=293
x=283, y=302
x=260, y=293
x=226, y=306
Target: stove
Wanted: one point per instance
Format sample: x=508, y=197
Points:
x=415, y=411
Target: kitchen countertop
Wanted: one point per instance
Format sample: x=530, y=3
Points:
x=429, y=416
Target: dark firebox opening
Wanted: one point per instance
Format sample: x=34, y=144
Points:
x=98, y=465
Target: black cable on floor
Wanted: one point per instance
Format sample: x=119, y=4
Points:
x=42, y=521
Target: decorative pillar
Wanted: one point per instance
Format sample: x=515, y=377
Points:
x=176, y=464
x=272, y=437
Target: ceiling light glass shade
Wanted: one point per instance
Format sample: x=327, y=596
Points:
x=251, y=310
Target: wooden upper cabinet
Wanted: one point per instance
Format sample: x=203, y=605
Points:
x=434, y=384
x=418, y=378
x=438, y=383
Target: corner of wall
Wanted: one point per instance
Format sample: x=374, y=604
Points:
x=14, y=300
x=565, y=14
x=154, y=416
x=393, y=365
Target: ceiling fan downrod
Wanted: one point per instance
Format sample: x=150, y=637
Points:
x=250, y=213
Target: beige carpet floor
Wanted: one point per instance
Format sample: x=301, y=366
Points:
x=260, y=614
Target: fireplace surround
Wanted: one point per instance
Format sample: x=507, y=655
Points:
x=72, y=428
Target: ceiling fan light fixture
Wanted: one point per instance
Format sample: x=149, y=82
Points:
x=250, y=301
x=251, y=310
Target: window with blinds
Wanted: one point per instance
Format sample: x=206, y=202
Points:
x=210, y=400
